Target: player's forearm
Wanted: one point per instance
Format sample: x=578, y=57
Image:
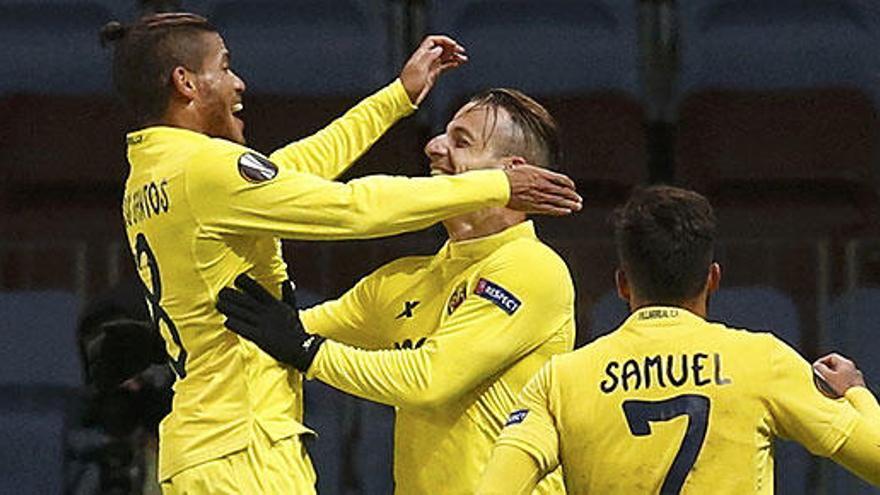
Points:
x=510, y=472
x=860, y=453
x=401, y=378
x=381, y=206
x=864, y=402
x=330, y=151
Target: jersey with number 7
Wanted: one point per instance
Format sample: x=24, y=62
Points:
x=670, y=403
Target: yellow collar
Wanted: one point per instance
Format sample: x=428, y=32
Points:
x=661, y=316
x=143, y=135
x=482, y=246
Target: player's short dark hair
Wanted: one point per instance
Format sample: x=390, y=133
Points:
x=540, y=133
x=665, y=240
x=145, y=54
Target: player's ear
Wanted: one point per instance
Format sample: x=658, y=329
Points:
x=184, y=83
x=713, y=278
x=622, y=284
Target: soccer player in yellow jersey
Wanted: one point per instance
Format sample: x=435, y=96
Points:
x=200, y=208
x=670, y=403
x=448, y=339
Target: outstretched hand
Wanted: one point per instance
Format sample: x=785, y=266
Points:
x=538, y=190
x=252, y=312
x=435, y=55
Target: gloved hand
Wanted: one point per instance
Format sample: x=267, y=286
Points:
x=120, y=349
x=273, y=325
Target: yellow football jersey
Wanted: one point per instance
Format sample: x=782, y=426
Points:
x=449, y=340
x=670, y=403
x=199, y=211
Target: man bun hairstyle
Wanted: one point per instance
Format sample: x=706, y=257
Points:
x=539, y=141
x=146, y=52
x=665, y=239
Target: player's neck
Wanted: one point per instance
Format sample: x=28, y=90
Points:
x=697, y=305
x=183, y=119
x=482, y=223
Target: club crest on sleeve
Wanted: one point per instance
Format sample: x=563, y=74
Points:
x=458, y=296
x=255, y=168
x=498, y=295
x=517, y=417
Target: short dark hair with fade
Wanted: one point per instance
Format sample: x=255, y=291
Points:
x=145, y=54
x=665, y=240
x=539, y=143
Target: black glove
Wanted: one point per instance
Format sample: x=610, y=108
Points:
x=120, y=349
x=273, y=325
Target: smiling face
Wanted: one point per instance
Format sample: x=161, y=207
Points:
x=471, y=142
x=218, y=92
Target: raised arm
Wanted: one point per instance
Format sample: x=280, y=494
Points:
x=861, y=451
x=235, y=191
x=846, y=431
x=330, y=151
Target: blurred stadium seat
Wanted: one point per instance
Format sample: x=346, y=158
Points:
x=550, y=47
x=32, y=452
x=755, y=308
x=38, y=332
x=52, y=46
x=580, y=58
x=305, y=47
x=776, y=112
x=63, y=140
x=810, y=156
x=783, y=44
x=39, y=371
x=851, y=330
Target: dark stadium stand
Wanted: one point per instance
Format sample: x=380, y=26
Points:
x=52, y=46
x=808, y=156
x=39, y=373
x=296, y=47
x=758, y=45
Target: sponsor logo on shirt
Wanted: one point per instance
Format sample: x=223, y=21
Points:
x=498, y=295
x=409, y=344
x=517, y=417
x=458, y=296
x=408, y=307
x=254, y=168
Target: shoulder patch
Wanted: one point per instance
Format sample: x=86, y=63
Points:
x=517, y=417
x=255, y=168
x=498, y=295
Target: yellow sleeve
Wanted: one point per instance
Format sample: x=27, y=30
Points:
x=330, y=151
x=344, y=319
x=234, y=191
x=531, y=427
x=510, y=472
x=477, y=341
x=860, y=452
x=799, y=411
